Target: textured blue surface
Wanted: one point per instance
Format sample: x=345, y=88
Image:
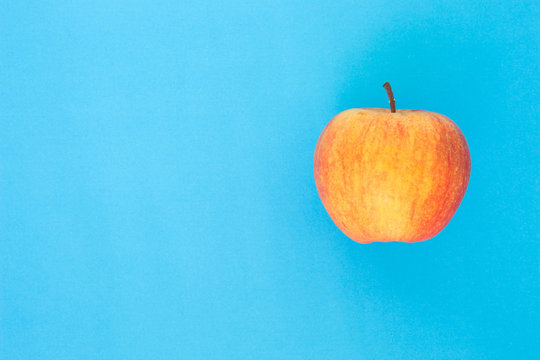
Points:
x=157, y=198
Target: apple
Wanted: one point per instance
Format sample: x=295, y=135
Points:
x=386, y=175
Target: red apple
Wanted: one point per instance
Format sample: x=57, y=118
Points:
x=387, y=175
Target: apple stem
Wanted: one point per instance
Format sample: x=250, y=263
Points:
x=390, y=96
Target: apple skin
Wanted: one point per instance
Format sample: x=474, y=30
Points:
x=386, y=176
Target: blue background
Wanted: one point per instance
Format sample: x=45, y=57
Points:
x=157, y=198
